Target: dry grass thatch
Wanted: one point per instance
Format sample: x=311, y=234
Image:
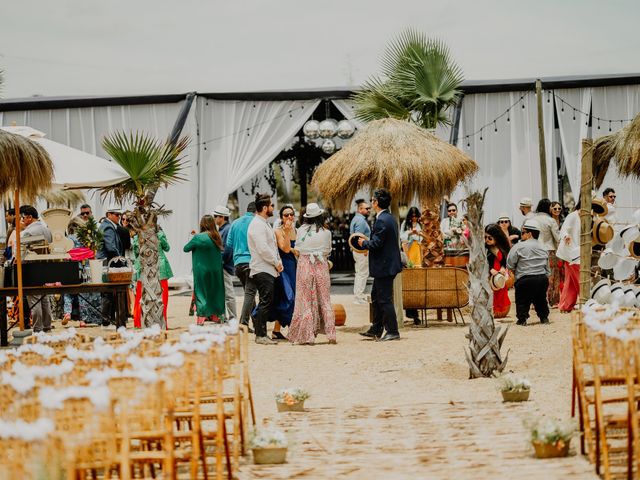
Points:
x=55, y=197
x=623, y=148
x=25, y=165
x=396, y=155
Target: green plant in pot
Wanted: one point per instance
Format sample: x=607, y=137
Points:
x=269, y=445
x=514, y=389
x=550, y=437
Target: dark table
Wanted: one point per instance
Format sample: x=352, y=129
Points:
x=118, y=289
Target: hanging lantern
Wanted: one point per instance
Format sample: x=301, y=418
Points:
x=345, y=129
x=328, y=128
x=328, y=146
x=311, y=129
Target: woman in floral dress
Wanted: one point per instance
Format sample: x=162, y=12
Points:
x=313, y=312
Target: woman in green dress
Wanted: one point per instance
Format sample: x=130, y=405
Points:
x=208, y=278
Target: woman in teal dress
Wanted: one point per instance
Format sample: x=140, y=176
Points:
x=208, y=278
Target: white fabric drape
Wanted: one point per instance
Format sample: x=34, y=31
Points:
x=84, y=128
x=239, y=138
x=506, y=151
x=617, y=103
x=574, y=126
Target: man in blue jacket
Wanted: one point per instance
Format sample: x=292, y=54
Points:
x=111, y=248
x=384, y=265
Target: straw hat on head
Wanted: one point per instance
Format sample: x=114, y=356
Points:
x=532, y=225
x=504, y=216
x=526, y=202
x=221, y=211
x=313, y=211
x=114, y=209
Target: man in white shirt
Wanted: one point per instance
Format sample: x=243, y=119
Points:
x=265, y=264
x=39, y=305
x=525, y=208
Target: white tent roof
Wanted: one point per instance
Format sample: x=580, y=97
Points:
x=74, y=168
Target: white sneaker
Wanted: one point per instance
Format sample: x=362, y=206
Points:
x=265, y=341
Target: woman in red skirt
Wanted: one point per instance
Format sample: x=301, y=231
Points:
x=497, y=245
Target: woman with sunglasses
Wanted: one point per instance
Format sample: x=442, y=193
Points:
x=498, y=247
x=284, y=295
x=512, y=233
x=411, y=236
x=556, y=212
x=451, y=227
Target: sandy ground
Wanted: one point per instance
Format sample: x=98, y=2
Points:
x=407, y=409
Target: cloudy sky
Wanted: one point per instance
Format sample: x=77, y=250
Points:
x=88, y=47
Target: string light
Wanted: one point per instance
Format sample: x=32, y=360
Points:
x=506, y=113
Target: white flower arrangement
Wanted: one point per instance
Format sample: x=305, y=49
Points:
x=291, y=395
x=550, y=431
x=29, y=432
x=610, y=320
x=42, y=350
x=54, y=398
x=43, y=337
x=511, y=383
x=151, y=332
x=268, y=437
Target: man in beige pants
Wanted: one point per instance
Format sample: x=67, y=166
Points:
x=359, y=224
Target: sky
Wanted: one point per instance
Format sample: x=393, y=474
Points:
x=139, y=47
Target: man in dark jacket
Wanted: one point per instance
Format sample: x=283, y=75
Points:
x=111, y=248
x=384, y=265
x=221, y=217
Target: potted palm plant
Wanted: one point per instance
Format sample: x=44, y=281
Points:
x=151, y=164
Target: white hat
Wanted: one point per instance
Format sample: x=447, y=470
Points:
x=221, y=211
x=313, y=211
x=531, y=224
x=504, y=216
x=526, y=202
x=113, y=209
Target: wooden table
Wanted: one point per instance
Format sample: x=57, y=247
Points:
x=118, y=289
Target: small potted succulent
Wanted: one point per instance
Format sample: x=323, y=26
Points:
x=291, y=399
x=269, y=445
x=550, y=437
x=514, y=389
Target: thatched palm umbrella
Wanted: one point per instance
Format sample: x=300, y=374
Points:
x=623, y=147
x=396, y=155
x=28, y=170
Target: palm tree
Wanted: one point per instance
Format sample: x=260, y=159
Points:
x=420, y=82
x=151, y=164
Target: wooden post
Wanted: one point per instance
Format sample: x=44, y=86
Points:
x=18, y=258
x=543, y=155
x=397, y=282
x=586, y=184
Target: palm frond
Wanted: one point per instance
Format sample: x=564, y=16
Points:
x=375, y=102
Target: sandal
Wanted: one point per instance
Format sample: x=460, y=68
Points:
x=277, y=336
x=66, y=318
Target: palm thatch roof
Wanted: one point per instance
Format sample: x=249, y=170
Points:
x=396, y=155
x=55, y=197
x=25, y=165
x=623, y=147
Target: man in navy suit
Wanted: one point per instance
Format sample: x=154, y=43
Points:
x=111, y=248
x=384, y=265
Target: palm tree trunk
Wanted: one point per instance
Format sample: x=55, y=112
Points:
x=151, y=302
x=485, y=340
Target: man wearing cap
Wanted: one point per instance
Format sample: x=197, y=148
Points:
x=384, y=265
x=525, y=208
x=221, y=217
x=530, y=262
x=111, y=248
x=359, y=224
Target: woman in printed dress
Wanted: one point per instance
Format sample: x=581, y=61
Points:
x=313, y=312
x=497, y=245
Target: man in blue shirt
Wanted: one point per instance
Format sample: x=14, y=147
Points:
x=359, y=224
x=238, y=243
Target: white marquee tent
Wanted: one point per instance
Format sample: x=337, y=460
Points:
x=235, y=136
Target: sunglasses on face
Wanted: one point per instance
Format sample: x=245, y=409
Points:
x=503, y=221
x=556, y=208
x=488, y=238
x=612, y=196
x=452, y=211
x=287, y=214
x=85, y=214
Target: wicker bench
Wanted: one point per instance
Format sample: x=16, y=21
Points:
x=440, y=288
